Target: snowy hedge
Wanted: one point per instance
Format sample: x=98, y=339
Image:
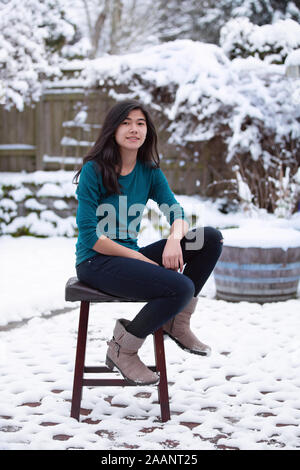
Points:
x=39, y=204
x=202, y=93
x=270, y=42
x=249, y=104
x=43, y=204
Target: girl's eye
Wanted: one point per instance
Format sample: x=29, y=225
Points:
x=139, y=123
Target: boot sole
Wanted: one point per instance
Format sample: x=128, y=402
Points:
x=111, y=365
x=193, y=351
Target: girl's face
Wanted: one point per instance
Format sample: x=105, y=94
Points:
x=131, y=133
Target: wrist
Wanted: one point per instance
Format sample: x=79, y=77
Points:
x=174, y=237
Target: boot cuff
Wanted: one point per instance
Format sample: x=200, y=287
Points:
x=191, y=306
x=124, y=338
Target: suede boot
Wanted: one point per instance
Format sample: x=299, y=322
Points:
x=122, y=354
x=179, y=330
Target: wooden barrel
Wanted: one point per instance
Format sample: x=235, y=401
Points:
x=257, y=274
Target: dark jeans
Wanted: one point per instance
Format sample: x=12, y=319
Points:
x=166, y=291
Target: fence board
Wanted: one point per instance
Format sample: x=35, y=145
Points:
x=42, y=127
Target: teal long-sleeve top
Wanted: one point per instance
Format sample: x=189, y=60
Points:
x=118, y=216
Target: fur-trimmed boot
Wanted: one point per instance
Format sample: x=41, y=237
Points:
x=178, y=329
x=122, y=354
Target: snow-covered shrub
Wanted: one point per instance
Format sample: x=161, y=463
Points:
x=287, y=189
x=43, y=204
x=270, y=42
x=32, y=32
x=277, y=189
x=203, y=97
x=39, y=204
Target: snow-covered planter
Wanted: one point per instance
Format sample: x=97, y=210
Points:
x=259, y=263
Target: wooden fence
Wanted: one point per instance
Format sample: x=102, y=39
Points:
x=57, y=132
x=53, y=134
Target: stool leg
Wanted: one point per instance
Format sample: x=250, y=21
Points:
x=163, y=395
x=80, y=357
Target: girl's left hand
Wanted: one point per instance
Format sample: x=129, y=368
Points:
x=172, y=255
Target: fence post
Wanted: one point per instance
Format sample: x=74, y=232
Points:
x=39, y=135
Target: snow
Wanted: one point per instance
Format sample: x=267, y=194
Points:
x=62, y=160
x=69, y=141
x=244, y=396
x=25, y=29
x=33, y=204
x=208, y=92
x=38, y=279
x=259, y=235
x=60, y=205
x=275, y=40
x=16, y=147
x=36, y=177
x=293, y=58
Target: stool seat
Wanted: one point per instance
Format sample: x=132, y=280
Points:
x=78, y=291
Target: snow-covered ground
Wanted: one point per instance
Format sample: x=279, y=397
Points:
x=244, y=396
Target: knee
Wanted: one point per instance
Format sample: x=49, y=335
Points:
x=202, y=237
x=213, y=236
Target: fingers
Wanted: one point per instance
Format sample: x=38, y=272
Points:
x=173, y=263
x=172, y=257
x=181, y=264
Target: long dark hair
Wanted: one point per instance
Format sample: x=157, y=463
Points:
x=105, y=152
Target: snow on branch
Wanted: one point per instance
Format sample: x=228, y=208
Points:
x=31, y=34
x=271, y=42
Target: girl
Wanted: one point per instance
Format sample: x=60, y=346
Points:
x=118, y=176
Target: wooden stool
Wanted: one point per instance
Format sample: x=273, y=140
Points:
x=77, y=291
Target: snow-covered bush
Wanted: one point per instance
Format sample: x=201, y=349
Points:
x=200, y=96
x=32, y=32
x=278, y=190
x=287, y=188
x=43, y=204
x=39, y=204
x=270, y=42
